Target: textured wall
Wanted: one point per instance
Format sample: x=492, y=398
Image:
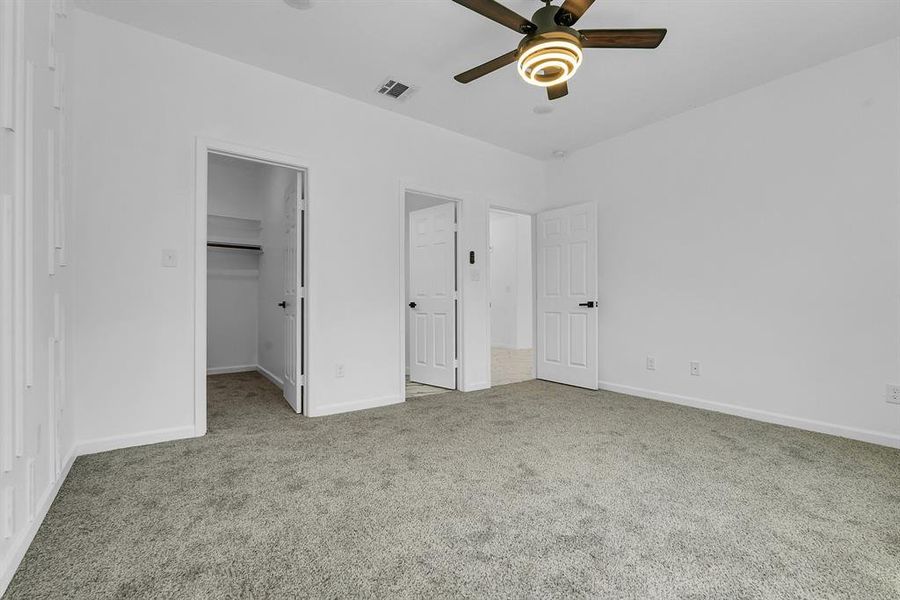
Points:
x=36, y=424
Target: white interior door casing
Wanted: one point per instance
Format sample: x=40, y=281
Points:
x=567, y=296
x=432, y=301
x=293, y=295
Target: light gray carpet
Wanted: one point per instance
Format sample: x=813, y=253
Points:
x=530, y=490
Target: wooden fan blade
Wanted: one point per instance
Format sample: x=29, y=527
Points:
x=621, y=38
x=558, y=91
x=571, y=11
x=499, y=13
x=488, y=67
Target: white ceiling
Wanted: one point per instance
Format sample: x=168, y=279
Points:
x=714, y=48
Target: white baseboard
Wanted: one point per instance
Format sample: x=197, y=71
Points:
x=474, y=387
x=269, y=375
x=23, y=539
x=343, y=407
x=247, y=369
x=135, y=439
x=863, y=435
x=236, y=369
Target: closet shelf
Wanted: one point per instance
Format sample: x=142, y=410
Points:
x=240, y=221
x=233, y=233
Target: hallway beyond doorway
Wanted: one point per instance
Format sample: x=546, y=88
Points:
x=509, y=365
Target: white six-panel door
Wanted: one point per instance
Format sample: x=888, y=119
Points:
x=567, y=295
x=432, y=301
x=293, y=295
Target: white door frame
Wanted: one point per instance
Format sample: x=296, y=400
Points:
x=460, y=268
x=203, y=148
x=533, y=215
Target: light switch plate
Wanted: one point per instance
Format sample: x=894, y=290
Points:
x=169, y=258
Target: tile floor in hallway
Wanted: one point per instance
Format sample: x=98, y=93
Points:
x=509, y=365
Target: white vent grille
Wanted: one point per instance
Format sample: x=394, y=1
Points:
x=395, y=89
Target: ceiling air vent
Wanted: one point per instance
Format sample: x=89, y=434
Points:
x=394, y=89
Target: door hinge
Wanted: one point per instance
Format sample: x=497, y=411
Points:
x=456, y=227
x=455, y=362
x=301, y=203
x=455, y=295
x=301, y=380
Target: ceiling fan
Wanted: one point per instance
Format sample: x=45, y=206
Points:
x=550, y=52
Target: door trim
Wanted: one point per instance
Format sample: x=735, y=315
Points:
x=460, y=268
x=205, y=146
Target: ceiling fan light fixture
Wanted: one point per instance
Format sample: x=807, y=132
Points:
x=549, y=59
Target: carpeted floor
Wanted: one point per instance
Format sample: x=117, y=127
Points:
x=530, y=490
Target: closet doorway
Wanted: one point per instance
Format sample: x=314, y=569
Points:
x=431, y=294
x=254, y=260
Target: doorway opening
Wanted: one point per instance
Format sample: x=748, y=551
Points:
x=512, y=297
x=252, y=221
x=431, y=294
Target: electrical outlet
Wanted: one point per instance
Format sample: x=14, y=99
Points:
x=651, y=363
x=695, y=368
x=338, y=370
x=893, y=394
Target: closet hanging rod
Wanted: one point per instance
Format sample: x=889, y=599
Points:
x=230, y=246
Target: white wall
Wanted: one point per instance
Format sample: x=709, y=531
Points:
x=232, y=310
x=135, y=318
x=36, y=413
x=758, y=235
x=524, y=283
x=503, y=280
x=234, y=186
x=511, y=280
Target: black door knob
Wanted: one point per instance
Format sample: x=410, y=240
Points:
x=412, y=304
x=282, y=304
x=589, y=304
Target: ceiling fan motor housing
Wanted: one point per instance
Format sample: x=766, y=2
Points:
x=550, y=54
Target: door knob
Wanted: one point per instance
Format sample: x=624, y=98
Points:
x=282, y=304
x=589, y=304
x=412, y=304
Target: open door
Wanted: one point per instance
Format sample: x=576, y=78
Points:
x=432, y=302
x=293, y=302
x=567, y=295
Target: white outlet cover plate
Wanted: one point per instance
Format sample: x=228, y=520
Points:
x=893, y=394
